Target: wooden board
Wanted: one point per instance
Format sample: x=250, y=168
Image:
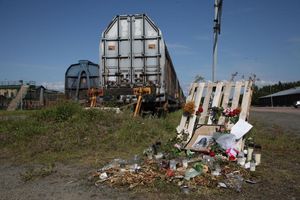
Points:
x=217, y=98
x=226, y=95
x=246, y=100
x=206, y=103
x=184, y=118
x=197, y=100
x=225, y=100
x=236, y=95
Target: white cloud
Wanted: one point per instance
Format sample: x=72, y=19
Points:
x=59, y=85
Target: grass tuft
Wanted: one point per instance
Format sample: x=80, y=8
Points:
x=34, y=173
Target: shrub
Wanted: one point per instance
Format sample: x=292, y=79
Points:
x=59, y=113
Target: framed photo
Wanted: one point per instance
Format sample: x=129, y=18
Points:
x=202, y=142
x=202, y=139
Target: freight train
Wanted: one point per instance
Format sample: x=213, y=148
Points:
x=134, y=58
x=134, y=55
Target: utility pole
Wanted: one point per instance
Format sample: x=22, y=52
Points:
x=21, y=92
x=271, y=96
x=217, y=31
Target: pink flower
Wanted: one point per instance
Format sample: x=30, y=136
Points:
x=232, y=153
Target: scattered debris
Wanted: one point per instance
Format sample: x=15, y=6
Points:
x=234, y=180
x=103, y=176
x=187, y=169
x=222, y=185
x=191, y=173
x=185, y=189
x=251, y=181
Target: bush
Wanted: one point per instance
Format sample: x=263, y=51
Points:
x=59, y=113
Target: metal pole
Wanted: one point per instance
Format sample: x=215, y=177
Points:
x=272, y=101
x=271, y=97
x=215, y=47
x=21, y=97
x=217, y=29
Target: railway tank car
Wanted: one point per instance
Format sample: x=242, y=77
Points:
x=133, y=55
x=80, y=78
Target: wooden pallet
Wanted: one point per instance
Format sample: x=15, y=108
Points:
x=221, y=94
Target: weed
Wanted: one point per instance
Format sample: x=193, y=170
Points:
x=60, y=112
x=33, y=173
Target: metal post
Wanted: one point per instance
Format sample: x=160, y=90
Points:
x=271, y=97
x=272, y=100
x=21, y=90
x=217, y=29
x=214, y=57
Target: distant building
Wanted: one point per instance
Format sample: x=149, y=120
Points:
x=282, y=98
x=8, y=91
x=20, y=95
x=38, y=96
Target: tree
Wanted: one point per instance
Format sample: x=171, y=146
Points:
x=271, y=89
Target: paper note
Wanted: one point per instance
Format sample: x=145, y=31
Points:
x=240, y=128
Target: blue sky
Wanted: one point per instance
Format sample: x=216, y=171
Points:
x=39, y=39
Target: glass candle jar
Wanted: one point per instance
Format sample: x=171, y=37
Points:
x=257, y=154
x=249, y=152
x=173, y=164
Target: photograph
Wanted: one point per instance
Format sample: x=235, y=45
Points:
x=202, y=142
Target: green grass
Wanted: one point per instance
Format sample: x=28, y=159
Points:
x=274, y=138
x=67, y=132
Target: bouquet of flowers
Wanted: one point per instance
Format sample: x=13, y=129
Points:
x=215, y=113
x=232, y=114
x=189, y=108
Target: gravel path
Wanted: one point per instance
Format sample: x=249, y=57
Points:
x=287, y=118
x=69, y=182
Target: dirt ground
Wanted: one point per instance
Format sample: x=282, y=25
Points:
x=285, y=117
x=70, y=181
